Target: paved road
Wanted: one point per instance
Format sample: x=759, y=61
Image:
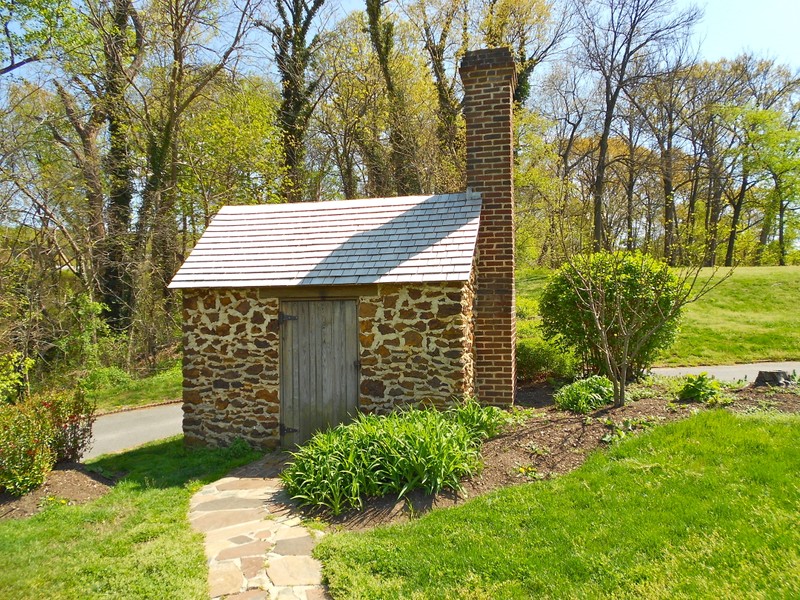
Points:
x=732, y=372
x=123, y=430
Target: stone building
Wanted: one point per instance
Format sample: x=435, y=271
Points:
x=296, y=316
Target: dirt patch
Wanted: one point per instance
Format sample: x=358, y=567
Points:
x=68, y=483
x=552, y=442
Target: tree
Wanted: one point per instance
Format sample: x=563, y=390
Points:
x=617, y=310
x=617, y=37
x=294, y=54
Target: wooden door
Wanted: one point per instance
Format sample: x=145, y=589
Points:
x=319, y=367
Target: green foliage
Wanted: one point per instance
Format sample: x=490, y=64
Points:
x=538, y=359
x=700, y=388
x=37, y=433
x=14, y=368
x=585, y=395
x=396, y=453
x=703, y=507
x=26, y=453
x=622, y=303
x=104, y=378
x=161, y=387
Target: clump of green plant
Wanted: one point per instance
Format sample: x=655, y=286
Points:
x=393, y=454
x=538, y=359
x=35, y=434
x=103, y=378
x=618, y=431
x=14, y=369
x=700, y=388
x=615, y=310
x=585, y=395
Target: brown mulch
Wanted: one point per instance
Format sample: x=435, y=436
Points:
x=551, y=443
x=69, y=483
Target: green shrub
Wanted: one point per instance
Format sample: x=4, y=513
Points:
x=392, y=454
x=585, y=395
x=623, y=303
x=538, y=359
x=700, y=388
x=481, y=422
x=103, y=378
x=37, y=433
x=26, y=454
x=14, y=369
x=71, y=416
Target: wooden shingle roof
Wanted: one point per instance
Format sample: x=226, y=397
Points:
x=380, y=240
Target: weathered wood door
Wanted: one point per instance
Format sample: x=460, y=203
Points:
x=319, y=366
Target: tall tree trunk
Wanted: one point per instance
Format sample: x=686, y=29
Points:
x=737, y=205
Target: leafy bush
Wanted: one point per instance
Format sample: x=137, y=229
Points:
x=37, y=433
x=539, y=359
x=103, y=378
x=585, y=395
x=14, y=369
x=396, y=453
x=26, y=453
x=700, y=388
x=625, y=304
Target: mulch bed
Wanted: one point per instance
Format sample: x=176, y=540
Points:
x=68, y=482
x=551, y=443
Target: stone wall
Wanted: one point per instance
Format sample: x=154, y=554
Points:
x=416, y=345
x=230, y=367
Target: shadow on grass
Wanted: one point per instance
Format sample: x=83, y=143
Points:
x=169, y=463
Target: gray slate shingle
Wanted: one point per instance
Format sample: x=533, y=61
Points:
x=379, y=240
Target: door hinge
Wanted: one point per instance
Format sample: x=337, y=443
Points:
x=357, y=364
x=283, y=317
x=284, y=429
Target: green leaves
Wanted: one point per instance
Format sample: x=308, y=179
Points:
x=397, y=453
x=585, y=395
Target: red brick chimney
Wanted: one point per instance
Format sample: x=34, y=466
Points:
x=489, y=78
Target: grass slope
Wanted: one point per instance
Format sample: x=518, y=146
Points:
x=705, y=507
x=135, y=542
x=161, y=387
x=752, y=316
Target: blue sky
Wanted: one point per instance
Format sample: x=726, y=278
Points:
x=770, y=28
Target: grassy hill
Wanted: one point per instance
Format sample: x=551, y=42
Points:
x=752, y=316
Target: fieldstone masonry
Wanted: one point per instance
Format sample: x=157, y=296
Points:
x=231, y=367
x=416, y=345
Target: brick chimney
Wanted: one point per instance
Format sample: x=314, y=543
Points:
x=489, y=77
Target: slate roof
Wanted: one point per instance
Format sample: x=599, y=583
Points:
x=380, y=240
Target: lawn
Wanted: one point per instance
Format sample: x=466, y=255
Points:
x=135, y=542
x=160, y=387
x=750, y=317
x=703, y=507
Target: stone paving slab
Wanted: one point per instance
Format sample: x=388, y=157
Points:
x=254, y=541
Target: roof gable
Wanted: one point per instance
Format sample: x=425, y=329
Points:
x=346, y=242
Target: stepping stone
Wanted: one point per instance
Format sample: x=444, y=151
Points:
x=252, y=549
x=218, y=520
x=252, y=565
x=317, y=594
x=288, y=533
x=248, y=484
x=224, y=578
x=228, y=504
x=249, y=595
x=294, y=570
x=299, y=546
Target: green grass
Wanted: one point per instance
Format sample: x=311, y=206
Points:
x=705, y=507
x=135, y=542
x=752, y=316
x=161, y=387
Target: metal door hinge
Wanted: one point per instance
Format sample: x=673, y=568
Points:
x=284, y=429
x=357, y=364
x=283, y=317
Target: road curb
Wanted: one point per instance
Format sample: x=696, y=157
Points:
x=123, y=409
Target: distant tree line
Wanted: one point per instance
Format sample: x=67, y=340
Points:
x=125, y=125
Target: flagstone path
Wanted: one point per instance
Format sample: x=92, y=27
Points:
x=256, y=547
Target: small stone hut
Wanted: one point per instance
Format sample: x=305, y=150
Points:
x=296, y=316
